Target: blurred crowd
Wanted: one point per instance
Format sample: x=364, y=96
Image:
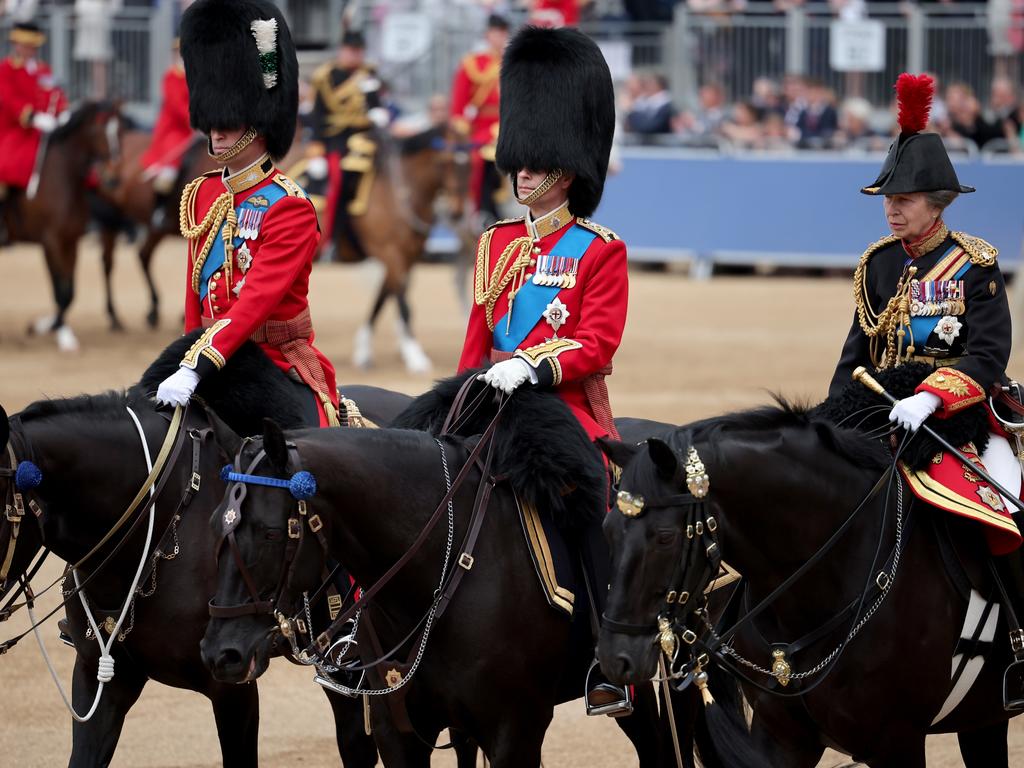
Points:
x=804, y=113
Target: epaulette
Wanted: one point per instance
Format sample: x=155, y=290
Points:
x=603, y=232
x=503, y=222
x=289, y=186
x=876, y=246
x=982, y=252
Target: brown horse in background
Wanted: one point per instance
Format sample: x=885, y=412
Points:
x=56, y=217
x=411, y=175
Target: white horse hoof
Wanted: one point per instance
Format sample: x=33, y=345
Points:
x=42, y=325
x=415, y=359
x=362, y=348
x=66, y=339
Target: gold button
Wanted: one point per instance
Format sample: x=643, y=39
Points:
x=213, y=284
x=216, y=275
x=533, y=262
x=536, y=250
x=216, y=308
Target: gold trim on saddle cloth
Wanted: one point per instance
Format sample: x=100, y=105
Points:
x=931, y=491
x=540, y=552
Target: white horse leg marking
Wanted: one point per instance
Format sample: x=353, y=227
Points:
x=415, y=359
x=362, y=347
x=66, y=339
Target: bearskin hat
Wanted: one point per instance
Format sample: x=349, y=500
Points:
x=241, y=69
x=557, y=110
x=917, y=161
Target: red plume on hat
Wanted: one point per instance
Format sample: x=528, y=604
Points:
x=914, y=99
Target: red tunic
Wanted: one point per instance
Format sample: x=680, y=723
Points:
x=475, y=100
x=556, y=13
x=172, y=133
x=26, y=87
x=270, y=283
x=592, y=330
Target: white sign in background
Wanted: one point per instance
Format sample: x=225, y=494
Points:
x=405, y=37
x=857, y=46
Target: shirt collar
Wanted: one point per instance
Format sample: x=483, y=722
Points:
x=550, y=222
x=247, y=178
x=929, y=241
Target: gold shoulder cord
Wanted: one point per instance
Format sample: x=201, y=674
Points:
x=982, y=252
x=885, y=327
x=488, y=289
x=223, y=208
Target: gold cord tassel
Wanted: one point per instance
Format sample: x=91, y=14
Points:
x=700, y=677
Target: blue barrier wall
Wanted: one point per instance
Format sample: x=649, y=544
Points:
x=803, y=209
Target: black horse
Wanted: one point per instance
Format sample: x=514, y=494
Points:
x=91, y=463
x=783, y=480
x=500, y=658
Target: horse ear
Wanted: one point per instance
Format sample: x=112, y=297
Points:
x=275, y=445
x=618, y=452
x=665, y=459
x=228, y=442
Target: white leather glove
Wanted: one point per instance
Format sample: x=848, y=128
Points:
x=911, y=411
x=379, y=117
x=507, y=375
x=44, y=121
x=316, y=168
x=177, y=388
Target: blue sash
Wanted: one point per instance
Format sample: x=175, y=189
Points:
x=922, y=327
x=267, y=196
x=532, y=299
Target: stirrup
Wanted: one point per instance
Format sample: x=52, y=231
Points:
x=1013, y=677
x=62, y=633
x=324, y=680
x=611, y=700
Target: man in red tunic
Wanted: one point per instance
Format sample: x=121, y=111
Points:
x=252, y=231
x=30, y=105
x=474, y=109
x=551, y=288
x=172, y=135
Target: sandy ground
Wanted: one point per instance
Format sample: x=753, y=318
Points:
x=691, y=349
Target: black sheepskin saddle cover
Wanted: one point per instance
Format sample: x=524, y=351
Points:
x=539, y=446
x=242, y=393
x=857, y=407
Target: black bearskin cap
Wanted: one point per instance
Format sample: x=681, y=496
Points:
x=353, y=38
x=225, y=71
x=557, y=110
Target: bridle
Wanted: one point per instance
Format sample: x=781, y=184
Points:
x=23, y=476
x=685, y=590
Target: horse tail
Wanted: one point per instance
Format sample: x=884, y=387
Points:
x=722, y=735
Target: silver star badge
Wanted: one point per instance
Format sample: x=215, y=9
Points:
x=243, y=256
x=556, y=314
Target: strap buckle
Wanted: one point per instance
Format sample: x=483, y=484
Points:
x=196, y=481
x=466, y=560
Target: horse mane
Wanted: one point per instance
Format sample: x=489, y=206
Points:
x=80, y=114
x=539, y=446
x=244, y=392
x=431, y=138
x=87, y=407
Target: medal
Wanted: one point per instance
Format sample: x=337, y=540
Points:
x=556, y=314
x=243, y=256
x=249, y=220
x=238, y=287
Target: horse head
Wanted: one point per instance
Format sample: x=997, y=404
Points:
x=95, y=130
x=266, y=549
x=663, y=554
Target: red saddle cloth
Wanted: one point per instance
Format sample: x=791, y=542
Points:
x=951, y=486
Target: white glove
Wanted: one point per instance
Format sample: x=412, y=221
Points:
x=44, y=121
x=911, y=412
x=379, y=117
x=507, y=375
x=316, y=168
x=177, y=388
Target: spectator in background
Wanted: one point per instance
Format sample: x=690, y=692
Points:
x=556, y=13
x=744, y=127
x=1005, y=107
x=794, y=98
x=775, y=132
x=93, y=30
x=818, y=120
x=652, y=111
x=966, y=119
x=855, y=128
x=766, y=96
x=706, y=121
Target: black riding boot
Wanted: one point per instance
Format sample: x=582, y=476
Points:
x=5, y=235
x=602, y=696
x=1010, y=569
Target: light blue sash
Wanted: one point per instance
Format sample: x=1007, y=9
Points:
x=922, y=327
x=532, y=299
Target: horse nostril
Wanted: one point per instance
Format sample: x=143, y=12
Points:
x=623, y=666
x=229, y=657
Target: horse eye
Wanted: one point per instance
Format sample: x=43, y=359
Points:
x=666, y=536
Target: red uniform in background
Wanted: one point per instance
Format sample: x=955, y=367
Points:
x=259, y=291
x=172, y=134
x=474, y=109
x=26, y=87
x=555, y=13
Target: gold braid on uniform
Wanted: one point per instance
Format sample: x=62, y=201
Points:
x=487, y=289
x=223, y=208
x=885, y=327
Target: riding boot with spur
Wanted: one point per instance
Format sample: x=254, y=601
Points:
x=602, y=696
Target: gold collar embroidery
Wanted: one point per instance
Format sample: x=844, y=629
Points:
x=549, y=223
x=249, y=177
x=928, y=243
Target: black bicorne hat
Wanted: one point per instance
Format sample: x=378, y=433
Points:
x=241, y=69
x=557, y=110
x=353, y=38
x=917, y=161
x=497, y=21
